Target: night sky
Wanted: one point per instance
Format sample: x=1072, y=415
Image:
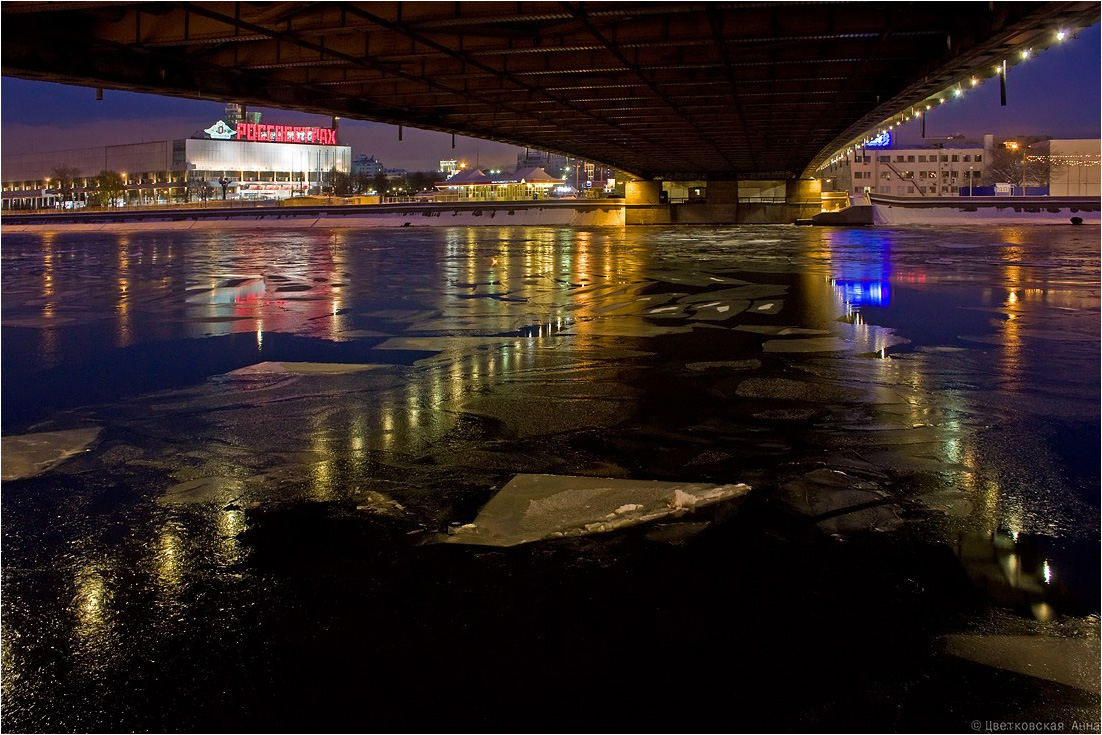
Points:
x=1055, y=94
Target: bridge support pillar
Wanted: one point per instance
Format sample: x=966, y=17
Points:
x=803, y=192
x=643, y=203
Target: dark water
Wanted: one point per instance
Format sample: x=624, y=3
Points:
x=256, y=551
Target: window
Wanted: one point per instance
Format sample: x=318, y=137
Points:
x=922, y=159
x=885, y=190
x=885, y=159
x=967, y=158
x=900, y=190
x=979, y=158
x=956, y=158
x=910, y=190
x=945, y=159
x=885, y=174
x=908, y=174
x=899, y=159
x=910, y=159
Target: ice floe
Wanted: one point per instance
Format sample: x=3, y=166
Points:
x=535, y=507
x=220, y=490
x=1071, y=661
x=27, y=455
x=305, y=368
x=724, y=364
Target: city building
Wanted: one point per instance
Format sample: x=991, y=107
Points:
x=245, y=160
x=942, y=167
x=522, y=184
x=365, y=165
x=449, y=167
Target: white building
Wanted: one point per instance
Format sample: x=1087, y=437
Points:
x=256, y=161
x=939, y=168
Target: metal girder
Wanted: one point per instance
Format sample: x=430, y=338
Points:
x=651, y=88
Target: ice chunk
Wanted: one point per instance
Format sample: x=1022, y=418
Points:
x=304, y=368
x=28, y=455
x=1071, y=661
x=729, y=364
x=534, y=507
x=220, y=490
x=780, y=331
x=767, y=307
x=373, y=501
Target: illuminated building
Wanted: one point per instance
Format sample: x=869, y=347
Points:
x=522, y=184
x=365, y=165
x=946, y=168
x=253, y=160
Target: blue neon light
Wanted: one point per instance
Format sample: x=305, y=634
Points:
x=881, y=141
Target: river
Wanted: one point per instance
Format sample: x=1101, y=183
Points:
x=273, y=432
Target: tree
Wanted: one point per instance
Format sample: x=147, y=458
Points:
x=65, y=177
x=1020, y=165
x=380, y=184
x=197, y=188
x=109, y=187
x=421, y=181
x=338, y=183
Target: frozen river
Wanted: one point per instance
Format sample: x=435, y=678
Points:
x=231, y=459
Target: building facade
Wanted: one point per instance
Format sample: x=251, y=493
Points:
x=948, y=167
x=365, y=165
x=253, y=161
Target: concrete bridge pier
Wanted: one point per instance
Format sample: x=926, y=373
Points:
x=803, y=192
x=643, y=203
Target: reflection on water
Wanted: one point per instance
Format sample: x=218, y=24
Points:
x=1017, y=572
x=941, y=354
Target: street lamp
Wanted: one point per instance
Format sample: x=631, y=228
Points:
x=970, y=181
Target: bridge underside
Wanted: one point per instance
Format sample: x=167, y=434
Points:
x=677, y=90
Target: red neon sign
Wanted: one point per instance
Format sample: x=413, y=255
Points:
x=286, y=134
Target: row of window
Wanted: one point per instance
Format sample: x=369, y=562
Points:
x=888, y=175
x=931, y=158
x=909, y=189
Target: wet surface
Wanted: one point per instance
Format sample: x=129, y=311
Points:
x=247, y=448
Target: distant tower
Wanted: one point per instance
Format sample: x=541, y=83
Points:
x=237, y=113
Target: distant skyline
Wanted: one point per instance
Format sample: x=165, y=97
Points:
x=1055, y=94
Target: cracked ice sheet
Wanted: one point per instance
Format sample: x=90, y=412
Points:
x=536, y=507
x=28, y=455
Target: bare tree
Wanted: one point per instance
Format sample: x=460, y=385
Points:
x=1020, y=166
x=66, y=177
x=197, y=188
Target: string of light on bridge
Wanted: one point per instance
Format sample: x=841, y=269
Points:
x=916, y=111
